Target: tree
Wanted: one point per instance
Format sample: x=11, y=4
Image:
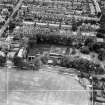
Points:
x=18, y=61
x=2, y=60
x=37, y=63
x=32, y=41
x=96, y=46
x=85, y=50
x=101, y=55
x=100, y=35
x=44, y=58
x=74, y=26
x=11, y=25
x=89, y=42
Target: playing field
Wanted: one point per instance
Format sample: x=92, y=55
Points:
x=44, y=87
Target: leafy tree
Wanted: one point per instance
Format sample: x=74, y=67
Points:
x=37, y=63
x=101, y=55
x=11, y=25
x=100, y=35
x=18, y=61
x=2, y=60
x=85, y=50
x=82, y=65
x=32, y=41
x=96, y=46
x=89, y=42
x=44, y=58
x=74, y=26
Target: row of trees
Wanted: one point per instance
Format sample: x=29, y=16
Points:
x=68, y=40
x=82, y=65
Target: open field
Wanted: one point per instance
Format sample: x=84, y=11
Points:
x=43, y=87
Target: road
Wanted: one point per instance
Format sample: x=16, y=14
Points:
x=9, y=19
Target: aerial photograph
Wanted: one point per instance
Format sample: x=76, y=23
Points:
x=52, y=52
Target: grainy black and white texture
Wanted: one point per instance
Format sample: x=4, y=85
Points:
x=52, y=52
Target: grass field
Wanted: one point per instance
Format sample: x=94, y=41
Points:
x=44, y=87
